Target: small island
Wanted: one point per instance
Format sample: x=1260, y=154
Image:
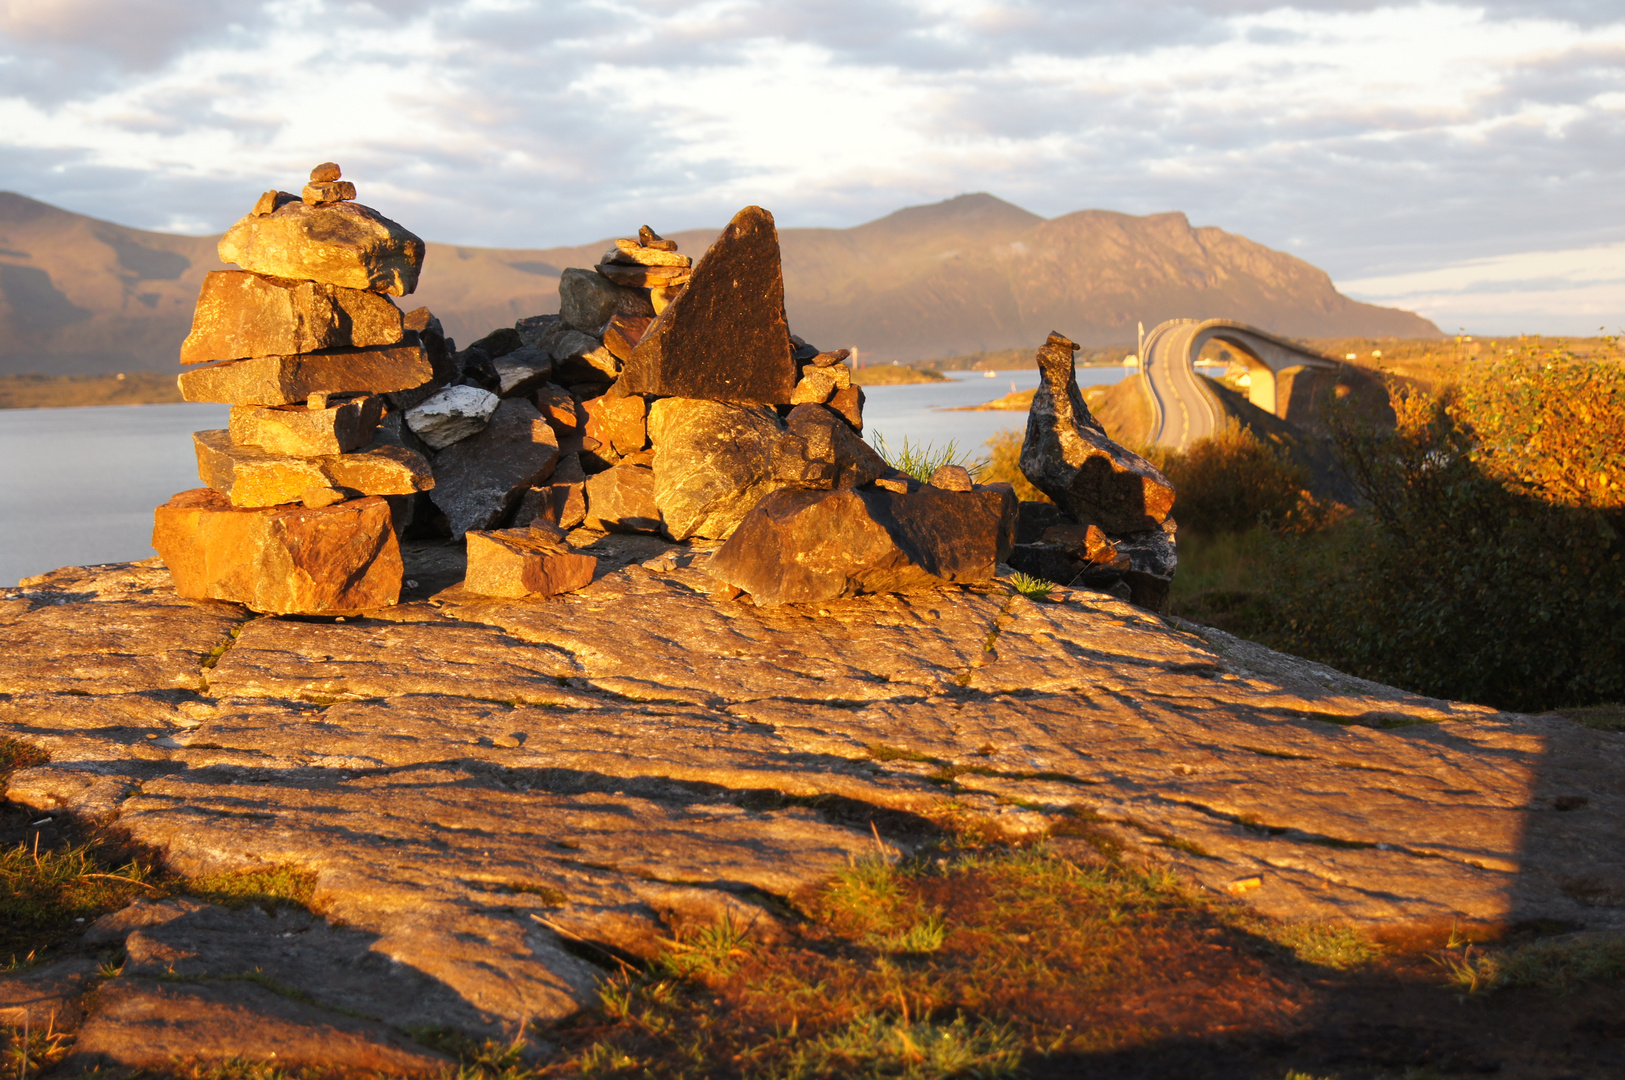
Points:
x=896, y=375
x=1015, y=401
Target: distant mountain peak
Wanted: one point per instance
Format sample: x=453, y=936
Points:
x=977, y=212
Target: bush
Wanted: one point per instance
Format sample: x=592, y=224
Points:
x=1480, y=570
x=1553, y=429
x=1004, y=464
x=1233, y=481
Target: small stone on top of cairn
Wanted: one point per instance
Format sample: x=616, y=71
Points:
x=326, y=187
x=647, y=262
x=301, y=341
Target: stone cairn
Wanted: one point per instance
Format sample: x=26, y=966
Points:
x=665, y=397
x=683, y=406
x=300, y=342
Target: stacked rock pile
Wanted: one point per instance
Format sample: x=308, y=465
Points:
x=681, y=405
x=300, y=341
x=1109, y=525
x=665, y=397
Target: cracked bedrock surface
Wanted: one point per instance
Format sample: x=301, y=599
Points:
x=495, y=795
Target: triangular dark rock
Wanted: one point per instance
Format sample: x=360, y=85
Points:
x=725, y=337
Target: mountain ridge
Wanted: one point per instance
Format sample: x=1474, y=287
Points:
x=79, y=295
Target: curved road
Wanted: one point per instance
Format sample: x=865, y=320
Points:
x=1182, y=409
x=1183, y=405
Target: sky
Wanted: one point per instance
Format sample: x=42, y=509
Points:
x=1463, y=160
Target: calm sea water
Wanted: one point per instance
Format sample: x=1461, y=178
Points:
x=79, y=485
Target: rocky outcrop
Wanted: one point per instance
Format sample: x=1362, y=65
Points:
x=1138, y=567
x=1109, y=526
x=478, y=785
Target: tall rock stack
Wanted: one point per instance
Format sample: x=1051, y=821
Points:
x=302, y=341
x=1109, y=525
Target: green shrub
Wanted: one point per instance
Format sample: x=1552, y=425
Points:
x=1475, y=572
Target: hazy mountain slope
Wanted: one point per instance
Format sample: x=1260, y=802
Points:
x=78, y=295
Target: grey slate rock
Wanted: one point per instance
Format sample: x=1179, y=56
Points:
x=587, y=299
x=479, y=480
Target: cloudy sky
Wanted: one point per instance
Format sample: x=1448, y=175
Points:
x=1466, y=160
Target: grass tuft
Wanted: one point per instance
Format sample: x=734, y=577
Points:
x=1606, y=717
x=1322, y=944
x=30, y=1051
x=16, y=754
x=45, y=895
x=920, y=460
x=1033, y=588
x=892, y=1047
x=1544, y=965
x=975, y=963
x=709, y=953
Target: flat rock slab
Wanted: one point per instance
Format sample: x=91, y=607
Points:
x=287, y=380
x=493, y=795
x=240, y=314
x=48, y=997
x=148, y=1024
x=254, y=477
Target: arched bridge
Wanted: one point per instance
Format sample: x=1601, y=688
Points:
x=1183, y=405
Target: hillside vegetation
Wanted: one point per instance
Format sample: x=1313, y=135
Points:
x=896, y=375
x=1485, y=559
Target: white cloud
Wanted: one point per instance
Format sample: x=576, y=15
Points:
x=1563, y=292
x=1361, y=135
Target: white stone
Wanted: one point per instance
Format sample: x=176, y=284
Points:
x=452, y=415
